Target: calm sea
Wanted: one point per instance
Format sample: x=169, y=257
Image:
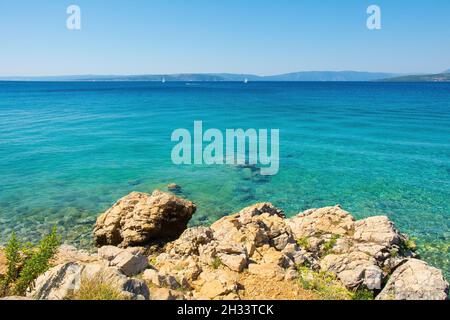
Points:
x=68, y=151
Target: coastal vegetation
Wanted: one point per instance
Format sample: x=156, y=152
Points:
x=25, y=262
x=96, y=288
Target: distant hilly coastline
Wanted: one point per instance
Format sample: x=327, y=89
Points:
x=323, y=76
x=440, y=77
x=295, y=76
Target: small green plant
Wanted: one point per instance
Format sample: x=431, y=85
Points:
x=324, y=284
x=363, y=294
x=393, y=253
x=153, y=261
x=303, y=243
x=12, y=253
x=410, y=244
x=96, y=288
x=25, y=262
x=38, y=261
x=216, y=263
x=328, y=246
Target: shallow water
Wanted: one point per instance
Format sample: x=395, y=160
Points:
x=68, y=151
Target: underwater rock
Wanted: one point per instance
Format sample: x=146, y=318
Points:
x=174, y=187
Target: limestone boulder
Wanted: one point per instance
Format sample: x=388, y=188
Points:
x=129, y=261
x=189, y=242
x=379, y=230
x=216, y=284
x=331, y=220
x=354, y=270
x=415, y=280
x=141, y=218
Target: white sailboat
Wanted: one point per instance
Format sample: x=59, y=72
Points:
x=163, y=80
x=245, y=80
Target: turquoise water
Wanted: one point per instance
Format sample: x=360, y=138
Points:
x=68, y=151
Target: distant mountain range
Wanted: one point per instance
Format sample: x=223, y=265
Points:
x=296, y=76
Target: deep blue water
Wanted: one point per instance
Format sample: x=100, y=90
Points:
x=69, y=150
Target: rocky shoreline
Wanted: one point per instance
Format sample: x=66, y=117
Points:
x=145, y=251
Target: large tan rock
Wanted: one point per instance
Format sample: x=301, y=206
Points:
x=129, y=261
x=355, y=269
x=331, y=220
x=190, y=241
x=141, y=218
x=415, y=280
x=216, y=284
x=379, y=230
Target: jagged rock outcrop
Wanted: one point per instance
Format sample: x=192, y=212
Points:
x=141, y=218
x=361, y=253
x=233, y=257
x=415, y=280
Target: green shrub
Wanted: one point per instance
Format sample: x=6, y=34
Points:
x=38, y=261
x=363, y=294
x=12, y=253
x=410, y=244
x=25, y=262
x=393, y=253
x=328, y=246
x=216, y=263
x=303, y=243
x=324, y=284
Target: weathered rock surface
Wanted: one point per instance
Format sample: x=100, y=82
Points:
x=130, y=262
x=164, y=294
x=379, y=230
x=15, y=298
x=415, y=280
x=361, y=253
x=161, y=279
x=68, y=253
x=64, y=280
x=140, y=218
x=256, y=252
x=331, y=220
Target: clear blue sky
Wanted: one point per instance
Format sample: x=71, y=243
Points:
x=239, y=36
